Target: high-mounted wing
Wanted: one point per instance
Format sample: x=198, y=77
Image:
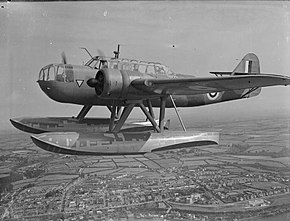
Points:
x=191, y=86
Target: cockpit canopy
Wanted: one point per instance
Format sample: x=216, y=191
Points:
x=127, y=64
x=57, y=72
x=64, y=72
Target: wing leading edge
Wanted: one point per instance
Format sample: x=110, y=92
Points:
x=196, y=85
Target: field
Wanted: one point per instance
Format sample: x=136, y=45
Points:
x=254, y=154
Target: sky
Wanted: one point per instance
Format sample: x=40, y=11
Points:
x=190, y=37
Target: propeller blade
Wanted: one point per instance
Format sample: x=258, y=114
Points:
x=63, y=57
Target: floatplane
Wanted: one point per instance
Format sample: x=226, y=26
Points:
x=123, y=84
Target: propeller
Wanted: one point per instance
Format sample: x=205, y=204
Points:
x=63, y=58
x=100, y=83
x=92, y=82
x=97, y=83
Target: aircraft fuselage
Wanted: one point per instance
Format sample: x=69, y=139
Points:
x=68, y=84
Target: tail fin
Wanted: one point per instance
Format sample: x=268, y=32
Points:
x=248, y=65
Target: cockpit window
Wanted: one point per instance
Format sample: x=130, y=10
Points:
x=51, y=73
x=150, y=69
x=113, y=64
x=132, y=65
x=44, y=74
x=62, y=73
x=60, y=70
x=125, y=66
x=69, y=74
x=41, y=75
x=160, y=69
x=104, y=64
x=142, y=68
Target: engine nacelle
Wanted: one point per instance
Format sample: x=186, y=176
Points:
x=111, y=83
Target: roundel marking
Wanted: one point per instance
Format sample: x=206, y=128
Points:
x=213, y=95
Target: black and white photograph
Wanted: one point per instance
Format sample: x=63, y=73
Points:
x=145, y=110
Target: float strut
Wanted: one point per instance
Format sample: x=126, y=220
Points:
x=119, y=112
x=149, y=117
x=113, y=115
x=127, y=110
x=83, y=112
x=149, y=104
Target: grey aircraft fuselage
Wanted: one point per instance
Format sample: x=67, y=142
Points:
x=67, y=83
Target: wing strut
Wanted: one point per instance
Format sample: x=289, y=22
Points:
x=178, y=115
x=83, y=112
x=250, y=91
x=162, y=113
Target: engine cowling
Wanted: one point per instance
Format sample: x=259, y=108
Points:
x=110, y=83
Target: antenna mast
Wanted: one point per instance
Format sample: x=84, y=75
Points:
x=87, y=52
x=117, y=53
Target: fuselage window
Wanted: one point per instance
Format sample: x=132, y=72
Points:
x=150, y=69
x=41, y=75
x=60, y=70
x=134, y=67
x=60, y=74
x=125, y=66
x=160, y=69
x=50, y=75
x=65, y=74
x=45, y=71
x=142, y=68
x=69, y=74
x=113, y=64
